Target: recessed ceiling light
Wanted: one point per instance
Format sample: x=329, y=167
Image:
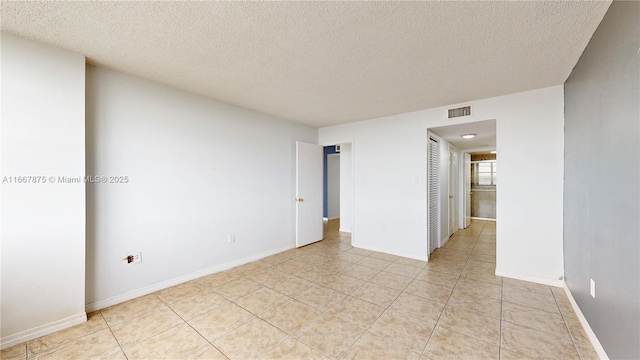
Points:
x=468, y=136
x=493, y=152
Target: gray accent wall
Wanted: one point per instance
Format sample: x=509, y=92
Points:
x=602, y=181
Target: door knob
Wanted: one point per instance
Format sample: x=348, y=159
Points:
x=450, y=196
x=299, y=199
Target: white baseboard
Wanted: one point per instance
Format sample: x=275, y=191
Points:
x=345, y=230
x=42, y=330
x=444, y=241
x=101, y=304
x=533, y=279
x=585, y=324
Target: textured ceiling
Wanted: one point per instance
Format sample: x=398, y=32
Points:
x=323, y=63
x=485, y=132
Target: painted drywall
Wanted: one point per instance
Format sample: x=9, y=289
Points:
x=197, y=170
x=390, y=207
x=602, y=173
x=444, y=191
x=346, y=187
x=43, y=224
x=333, y=186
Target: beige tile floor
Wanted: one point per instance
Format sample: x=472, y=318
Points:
x=330, y=300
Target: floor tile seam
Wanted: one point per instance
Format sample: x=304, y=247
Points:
x=381, y=313
x=251, y=312
x=471, y=336
x=262, y=355
x=65, y=343
x=311, y=346
x=369, y=327
x=253, y=317
x=445, y=305
x=205, y=339
x=570, y=343
x=199, y=333
x=522, y=290
x=395, y=298
x=306, y=326
x=535, y=308
x=571, y=336
x=186, y=298
x=134, y=316
x=370, y=267
x=154, y=335
x=149, y=337
x=539, y=330
x=478, y=312
x=112, y=334
x=279, y=292
x=517, y=288
x=426, y=298
x=412, y=279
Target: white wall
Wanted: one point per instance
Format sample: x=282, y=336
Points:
x=333, y=186
x=346, y=187
x=198, y=170
x=390, y=208
x=43, y=224
x=444, y=190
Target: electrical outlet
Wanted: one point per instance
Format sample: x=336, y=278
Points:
x=133, y=259
x=592, y=288
x=231, y=238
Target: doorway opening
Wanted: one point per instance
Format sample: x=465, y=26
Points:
x=338, y=189
x=483, y=175
x=450, y=181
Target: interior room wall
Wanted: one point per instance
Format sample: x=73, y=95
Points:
x=198, y=170
x=602, y=173
x=444, y=191
x=390, y=207
x=43, y=220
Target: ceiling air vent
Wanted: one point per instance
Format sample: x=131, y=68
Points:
x=461, y=111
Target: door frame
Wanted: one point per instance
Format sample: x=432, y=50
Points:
x=351, y=186
x=461, y=176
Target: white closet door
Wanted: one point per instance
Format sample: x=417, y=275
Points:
x=432, y=191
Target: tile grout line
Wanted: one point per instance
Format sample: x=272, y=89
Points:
x=194, y=329
x=387, y=308
x=564, y=319
x=114, y=335
x=454, y=286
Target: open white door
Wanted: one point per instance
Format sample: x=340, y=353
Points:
x=467, y=190
x=308, y=193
